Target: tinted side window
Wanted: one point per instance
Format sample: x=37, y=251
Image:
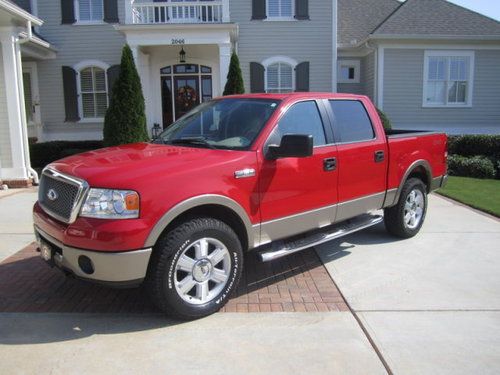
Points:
x=352, y=123
x=303, y=118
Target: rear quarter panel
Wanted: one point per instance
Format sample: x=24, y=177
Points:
x=405, y=150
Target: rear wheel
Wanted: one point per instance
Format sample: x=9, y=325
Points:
x=406, y=218
x=194, y=268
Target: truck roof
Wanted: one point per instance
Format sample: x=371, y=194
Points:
x=311, y=95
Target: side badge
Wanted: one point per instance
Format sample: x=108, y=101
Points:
x=244, y=173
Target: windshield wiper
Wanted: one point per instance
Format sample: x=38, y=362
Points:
x=191, y=141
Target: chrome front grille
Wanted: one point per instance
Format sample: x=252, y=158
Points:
x=60, y=195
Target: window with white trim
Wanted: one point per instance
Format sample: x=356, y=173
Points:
x=93, y=92
x=277, y=9
x=448, y=79
x=279, y=78
x=349, y=71
x=89, y=10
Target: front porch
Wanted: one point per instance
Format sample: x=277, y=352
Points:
x=18, y=43
x=172, y=85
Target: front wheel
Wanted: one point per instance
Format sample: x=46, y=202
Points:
x=194, y=268
x=406, y=218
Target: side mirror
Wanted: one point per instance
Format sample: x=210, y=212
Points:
x=292, y=146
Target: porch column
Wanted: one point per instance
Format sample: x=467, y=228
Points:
x=16, y=169
x=224, y=60
x=225, y=11
x=128, y=12
x=143, y=69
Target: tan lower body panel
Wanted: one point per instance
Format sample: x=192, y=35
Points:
x=118, y=267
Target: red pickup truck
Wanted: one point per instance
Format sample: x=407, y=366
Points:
x=276, y=173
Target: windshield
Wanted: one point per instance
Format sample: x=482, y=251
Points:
x=231, y=124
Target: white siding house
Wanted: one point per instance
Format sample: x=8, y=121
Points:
x=17, y=41
x=428, y=64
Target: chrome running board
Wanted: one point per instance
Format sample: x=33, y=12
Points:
x=283, y=248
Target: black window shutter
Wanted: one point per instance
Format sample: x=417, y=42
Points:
x=111, y=11
x=257, y=77
x=113, y=73
x=302, y=77
x=302, y=9
x=70, y=94
x=259, y=9
x=68, y=12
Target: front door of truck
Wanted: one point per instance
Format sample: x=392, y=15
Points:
x=362, y=159
x=299, y=194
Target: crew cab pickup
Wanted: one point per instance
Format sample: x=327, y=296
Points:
x=271, y=173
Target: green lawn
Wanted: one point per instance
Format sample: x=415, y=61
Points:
x=481, y=194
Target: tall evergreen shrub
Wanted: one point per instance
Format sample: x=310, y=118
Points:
x=125, y=120
x=234, y=84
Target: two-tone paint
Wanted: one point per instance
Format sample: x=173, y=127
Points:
x=270, y=199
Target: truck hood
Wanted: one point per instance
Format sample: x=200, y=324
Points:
x=126, y=166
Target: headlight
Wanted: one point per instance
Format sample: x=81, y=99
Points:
x=111, y=204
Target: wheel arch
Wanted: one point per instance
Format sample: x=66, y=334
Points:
x=420, y=169
x=215, y=206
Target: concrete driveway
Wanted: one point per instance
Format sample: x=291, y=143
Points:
x=428, y=305
x=16, y=224
x=432, y=303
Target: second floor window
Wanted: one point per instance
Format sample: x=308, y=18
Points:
x=93, y=92
x=279, y=78
x=90, y=10
x=280, y=8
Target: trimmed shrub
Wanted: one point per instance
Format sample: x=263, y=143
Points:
x=125, y=120
x=234, y=84
x=385, y=120
x=473, y=145
x=475, y=166
x=45, y=153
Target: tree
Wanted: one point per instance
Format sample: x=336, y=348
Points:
x=125, y=120
x=234, y=84
x=385, y=120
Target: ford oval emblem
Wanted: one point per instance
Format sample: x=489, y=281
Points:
x=52, y=195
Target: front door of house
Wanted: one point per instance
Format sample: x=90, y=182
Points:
x=186, y=90
x=183, y=87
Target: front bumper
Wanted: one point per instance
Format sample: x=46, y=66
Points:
x=126, y=268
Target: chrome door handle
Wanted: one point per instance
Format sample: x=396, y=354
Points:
x=329, y=164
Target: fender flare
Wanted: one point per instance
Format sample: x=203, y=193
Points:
x=201, y=200
x=418, y=163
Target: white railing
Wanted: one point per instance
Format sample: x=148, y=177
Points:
x=139, y=12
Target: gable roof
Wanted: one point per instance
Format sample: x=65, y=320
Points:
x=358, y=18
x=436, y=17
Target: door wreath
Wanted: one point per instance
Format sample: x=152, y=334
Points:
x=186, y=96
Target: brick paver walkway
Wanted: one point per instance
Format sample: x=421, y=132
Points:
x=295, y=283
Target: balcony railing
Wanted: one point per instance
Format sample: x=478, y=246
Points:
x=139, y=12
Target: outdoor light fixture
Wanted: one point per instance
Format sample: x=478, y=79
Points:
x=156, y=131
x=182, y=56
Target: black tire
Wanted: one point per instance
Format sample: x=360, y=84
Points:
x=162, y=272
x=394, y=217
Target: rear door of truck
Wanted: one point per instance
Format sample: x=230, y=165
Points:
x=362, y=156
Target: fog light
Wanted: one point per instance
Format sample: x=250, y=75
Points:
x=85, y=264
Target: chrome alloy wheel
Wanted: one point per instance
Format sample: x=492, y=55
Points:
x=202, y=271
x=414, y=209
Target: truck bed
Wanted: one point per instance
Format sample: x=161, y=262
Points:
x=407, y=147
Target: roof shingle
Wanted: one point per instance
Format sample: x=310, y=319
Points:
x=437, y=17
x=358, y=18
